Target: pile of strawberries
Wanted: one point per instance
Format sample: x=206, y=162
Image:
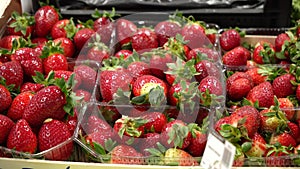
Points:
x=262, y=99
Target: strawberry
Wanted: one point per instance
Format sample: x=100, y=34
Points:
x=298, y=92
x=124, y=154
x=210, y=53
x=293, y=130
x=39, y=41
x=256, y=76
x=45, y=18
x=87, y=75
x=150, y=140
x=277, y=156
x=31, y=87
x=5, y=97
x=100, y=138
x=149, y=89
x=124, y=31
x=194, y=33
x=67, y=45
x=144, y=39
x=284, y=139
x=66, y=74
x=206, y=68
x=264, y=53
x=287, y=107
x=230, y=39
x=52, y=133
x=83, y=93
x=131, y=127
x=282, y=85
x=176, y=134
x=280, y=40
x=235, y=57
x=6, y=41
x=82, y=36
x=263, y=94
x=12, y=72
x=166, y=29
x=238, y=85
x=98, y=50
x=64, y=28
x=21, y=25
x=5, y=126
x=212, y=84
x=124, y=53
x=155, y=121
x=96, y=124
x=112, y=80
x=273, y=120
x=138, y=69
x=220, y=122
x=16, y=110
x=21, y=138
x=72, y=122
x=198, y=141
x=179, y=157
x=256, y=148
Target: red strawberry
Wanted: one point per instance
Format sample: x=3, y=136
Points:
x=124, y=154
x=212, y=84
x=21, y=25
x=298, y=92
x=96, y=124
x=98, y=50
x=82, y=36
x=16, y=110
x=124, y=31
x=64, y=28
x=238, y=85
x=282, y=85
x=52, y=133
x=194, y=33
x=6, y=42
x=87, y=75
x=294, y=130
x=131, y=127
x=5, y=98
x=55, y=62
x=264, y=53
x=85, y=94
x=235, y=57
x=287, y=107
x=112, y=80
x=155, y=121
x=285, y=139
x=263, y=94
x=43, y=104
x=30, y=86
x=230, y=39
x=158, y=63
x=198, y=143
x=280, y=40
x=12, y=72
x=66, y=74
x=256, y=76
x=206, y=68
x=100, y=138
x=45, y=17
x=144, y=39
x=258, y=146
x=138, y=68
x=272, y=120
x=211, y=54
x=72, y=122
x=39, y=41
x=67, y=45
x=5, y=126
x=150, y=140
x=21, y=138
x=123, y=53
x=176, y=134
x=165, y=30
x=220, y=122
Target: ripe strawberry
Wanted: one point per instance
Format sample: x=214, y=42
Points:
x=180, y=157
x=206, y=68
x=5, y=97
x=198, y=142
x=98, y=50
x=282, y=85
x=124, y=53
x=21, y=138
x=273, y=120
x=131, y=127
x=6, y=41
x=12, y=72
x=45, y=17
x=16, y=110
x=166, y=29
x=158, y=62
x=138, y=69
x=82, y=36
x=263, y=94
x=64, y=28
x=87, y=75
x=124, y=31
x=176, y=134
x=287, y=107
x=31, y=87
x=39, y=41
x=72, y=122
x=84, y=93
x=298, y=92
x=5, y=126
x=238, y=85
x=150, y=140
x=235, y=57
x=210, y=53
x=155, y=121
x=124, y=154
x=284, y=139
x=277, y=156
x=43, y=104
x=55, y=62
x=66, y=74
x=52, y=133
x=280, y=40
x=256, y=76
x=112, y=80
x=96, y=124
x=220, y=122
x=264, y=53
x=143, y=40
x=212, y=84
x=67, y=45
x=230, y=39
x=21, y=25
x=258, y=146
x=294, y=130
x=194, y=33
x=100, y=138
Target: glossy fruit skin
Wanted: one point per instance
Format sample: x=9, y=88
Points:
x=82, y=36
x=180, y=157
x=238, y=85
x=5, y=98
x=52, y=133
x=212, y=84
x=87, y=75
x=142, y=85
x=285, y=139
x=124, y=53
x=211, y=54
x=287, y=107
x=21, y=138
x=43, y=104
x=230, y=39
x=112, y=80
x=138, y=69
x=144, y=40
x=258, y=148
x=197, y=145
x=45, y=17
x=104, y=27
x=195, y=34
x=124, y=154
x=235, y=57
x=16, y=110
x=261, y=47
x=6, y=41
x=30, y=86
x=12, y=72
x=206, y=68
x=125, y=29
x=165, y=30
x=155, y=121
x=263, y=93
x=55, y=62
x=279, y=41
x=67, y=45
x=282, y=85
x=98, y=54
x=255, y=76
x=149, y=141
x=96, y=124
x=5, y=126
x=58, y=29
x=158, y=65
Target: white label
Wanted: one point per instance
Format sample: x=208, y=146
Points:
x=217, y=154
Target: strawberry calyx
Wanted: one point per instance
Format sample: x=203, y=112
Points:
x=234, y=134
x=176, y=46
x=207, y=99
x=105, y=14
x=131, y=126
x=87, y=24
x=17, y=44
x=51, y=48
x=160, y=51
x=278, y=150
x=290, y=48
x=11, y=88
x=271, y=71
x=268, y=54
x=96, y=42
x=70, y=28
x=155, y=96
x=21, y=22
x=177, y=134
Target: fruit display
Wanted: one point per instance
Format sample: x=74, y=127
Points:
x=261, y=117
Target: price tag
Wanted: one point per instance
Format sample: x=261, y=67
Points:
x=218, y=154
